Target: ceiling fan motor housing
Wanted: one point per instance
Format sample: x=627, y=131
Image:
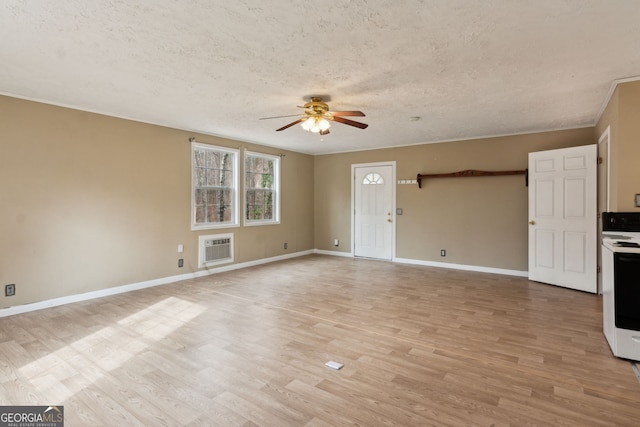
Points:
x=317, y=107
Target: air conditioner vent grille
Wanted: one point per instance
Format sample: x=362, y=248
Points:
x=215, y=249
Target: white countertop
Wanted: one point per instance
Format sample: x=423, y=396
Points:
x=610, y=239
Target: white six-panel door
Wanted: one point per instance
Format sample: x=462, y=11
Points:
x=373, y=212
x=563, y=217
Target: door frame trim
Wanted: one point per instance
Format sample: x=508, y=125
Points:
x=606, y=137
x=391, y=163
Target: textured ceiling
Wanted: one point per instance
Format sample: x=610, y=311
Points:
x=467, y=68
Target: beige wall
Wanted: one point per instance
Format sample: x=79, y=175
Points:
x=628, y=147
x=91, y=202
x=609, y=119
x=480, y=221
x=622, y=116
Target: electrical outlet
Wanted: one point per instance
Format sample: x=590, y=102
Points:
x=286, y=246
x=9, y=290
x=181, y=262
x=336, y=242
x=443, y=252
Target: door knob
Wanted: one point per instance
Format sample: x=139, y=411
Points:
x=532, y=222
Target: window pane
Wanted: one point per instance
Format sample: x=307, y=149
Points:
x=214, y=181
x=373, y=178
x=255, y=212
x=211, y=177
x=212, y=159
x=199, y=199
x=212, y=213
x=226, y=178
x=260, y=187
x=198, y=158
x=212, y=197
x=200, y=214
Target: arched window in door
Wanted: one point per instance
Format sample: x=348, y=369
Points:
x=373, y=178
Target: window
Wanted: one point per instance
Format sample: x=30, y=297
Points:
x=262, y=187
x=373, y=178
x=214, y=186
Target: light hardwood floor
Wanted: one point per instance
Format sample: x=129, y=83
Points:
x=421, y=346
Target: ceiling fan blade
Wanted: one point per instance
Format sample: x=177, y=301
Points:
x=291, y=124
x=278, y=117
x=349, y=122
x=324, y=132
x=348, y=113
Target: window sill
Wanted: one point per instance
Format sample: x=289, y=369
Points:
x=213, y=226
x=256, y=223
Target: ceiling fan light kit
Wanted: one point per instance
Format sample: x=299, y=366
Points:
x=316, y=124
x=317, y=118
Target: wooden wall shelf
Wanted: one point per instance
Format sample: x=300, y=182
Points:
x=471, y=172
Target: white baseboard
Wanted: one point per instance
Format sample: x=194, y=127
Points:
x=54, y=302
x=25, y=308
x=333, y=253
x=477, y=268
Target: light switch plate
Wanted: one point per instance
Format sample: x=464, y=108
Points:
x=637, y=200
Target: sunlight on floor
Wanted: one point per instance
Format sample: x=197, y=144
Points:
x=107, y=349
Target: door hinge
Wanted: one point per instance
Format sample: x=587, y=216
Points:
x=600, y=160
x=599, y=269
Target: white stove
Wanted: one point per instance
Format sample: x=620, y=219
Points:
x=621, y=283
x=621, y=241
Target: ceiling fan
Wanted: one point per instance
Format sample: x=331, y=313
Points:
x=317, y=118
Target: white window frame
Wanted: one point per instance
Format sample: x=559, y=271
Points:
x=276, y=189
x=234, y=222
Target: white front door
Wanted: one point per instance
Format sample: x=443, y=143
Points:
x=562, y=217
x=373, y=212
